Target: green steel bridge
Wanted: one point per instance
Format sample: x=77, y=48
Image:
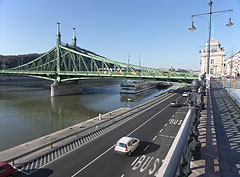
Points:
x=68, y=62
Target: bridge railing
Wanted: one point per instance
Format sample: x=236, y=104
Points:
x=179, y=155
x=186, y=144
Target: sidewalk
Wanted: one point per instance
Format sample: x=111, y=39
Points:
x=220, y=136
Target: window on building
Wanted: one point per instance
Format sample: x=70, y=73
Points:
x=212, y=71
x=212, y=61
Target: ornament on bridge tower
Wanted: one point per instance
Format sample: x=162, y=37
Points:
x=74, y=40
x=58, y=34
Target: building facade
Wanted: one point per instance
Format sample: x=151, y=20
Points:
x=217, y=57
x=236, y=64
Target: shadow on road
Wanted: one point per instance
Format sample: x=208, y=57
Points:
x=38, y=173
x=145, y=147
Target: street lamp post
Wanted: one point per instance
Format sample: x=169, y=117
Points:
x=224, y=76
x=209, y=34
x=192, y=28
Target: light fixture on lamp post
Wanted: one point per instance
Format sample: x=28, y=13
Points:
x=192, y=28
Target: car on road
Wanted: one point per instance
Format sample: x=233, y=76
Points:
x=126, y=145
x=185, y=94
x=171, y=91
x=6, y=170
x=175, y=103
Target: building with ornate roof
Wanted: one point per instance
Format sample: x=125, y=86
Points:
x=217, y=57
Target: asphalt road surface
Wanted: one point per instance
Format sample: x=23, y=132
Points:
x=156, y=128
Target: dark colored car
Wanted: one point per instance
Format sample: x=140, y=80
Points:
x=6, y=170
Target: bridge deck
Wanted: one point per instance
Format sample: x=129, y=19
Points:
x=219, y=134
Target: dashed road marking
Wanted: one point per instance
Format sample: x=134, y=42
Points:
x=154, y=138
x=167, y=136
x=146, y=148
x=165, y=125
x=160, y=130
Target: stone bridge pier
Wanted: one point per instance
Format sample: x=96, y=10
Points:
x=69, y=88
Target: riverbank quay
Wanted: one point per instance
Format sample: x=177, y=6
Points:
x=219, y=135
x=53, y=146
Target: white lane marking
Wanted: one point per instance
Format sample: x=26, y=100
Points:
x=154, y=138
x=165, y=125
x=22, y=171
x=93, y=161
x=167, y=136
x=122, y=175
x=148, y=120
x=134, y=161
x=160, y=130
x=146, y=148
x=114, y=144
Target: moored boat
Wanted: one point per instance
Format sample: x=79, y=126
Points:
x=135, y=86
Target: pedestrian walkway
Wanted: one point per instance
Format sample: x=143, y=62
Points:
x=220, y=136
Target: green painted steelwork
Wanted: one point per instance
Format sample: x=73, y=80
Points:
x=65, y=63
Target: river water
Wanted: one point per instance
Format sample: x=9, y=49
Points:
x=27, y=111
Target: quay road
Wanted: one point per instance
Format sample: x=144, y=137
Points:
x=156, y=128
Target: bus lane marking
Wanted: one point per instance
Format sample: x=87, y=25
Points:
x=175, y=122
x=146, y=163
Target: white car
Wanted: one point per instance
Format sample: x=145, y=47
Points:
x=126, y=145
x=175, y=103
x=185, y=94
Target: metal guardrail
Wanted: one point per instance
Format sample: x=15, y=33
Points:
x=127, y=114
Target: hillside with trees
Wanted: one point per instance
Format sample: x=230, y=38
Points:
x=10, y=61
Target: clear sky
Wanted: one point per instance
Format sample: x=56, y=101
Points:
x=157, y=30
